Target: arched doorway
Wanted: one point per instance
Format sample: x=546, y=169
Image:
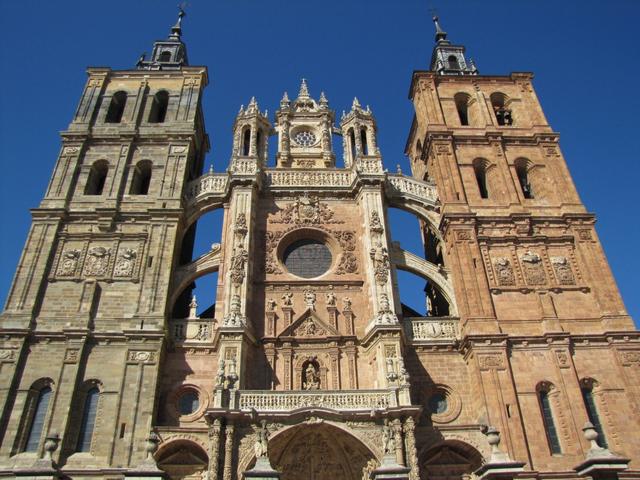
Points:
x=183, y=459
x=320, y=452
x=450, y=460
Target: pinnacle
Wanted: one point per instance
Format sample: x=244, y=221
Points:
x=304, y=90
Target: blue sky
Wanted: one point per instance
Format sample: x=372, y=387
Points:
x=584, y=55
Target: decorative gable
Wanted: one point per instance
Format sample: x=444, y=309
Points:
x=309, y=325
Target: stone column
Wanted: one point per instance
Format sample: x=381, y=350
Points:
x=410, y=448
x=228, y=452
x=214, y=449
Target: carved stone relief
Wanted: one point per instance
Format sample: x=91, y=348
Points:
x=69, y=262
x=504, y=272
x=563, y=271
x=380, y=258
x=125, y=263
x=306, y=210
x=533, y=269
x=97, y=261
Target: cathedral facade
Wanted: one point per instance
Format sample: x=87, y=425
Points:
x=526, y=364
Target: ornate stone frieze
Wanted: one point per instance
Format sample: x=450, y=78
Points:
x=309, y=328
x=309, y=178
x=141, y=356
x=306, y=210
x=533, y=269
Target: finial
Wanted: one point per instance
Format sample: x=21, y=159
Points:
x=211, y=169
x=368, y=109
x=398, y=169
x=304, y=90
x=356, y=103
x=241, y=111
x=285, y=98
x=344, y=114
x=441, y=35
x=323, y=98
x=176, y=30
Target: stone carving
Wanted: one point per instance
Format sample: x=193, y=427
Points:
x=310, y=299
x=388, y=439
x=97, y=261
x=428, y=329
x=287, y=299
x=304, y=178
x=234, y=317
x=376, y=224
x=271, y=240
x=311, y=377
x=141, y=356
x=504, y=272
x=6, y=354
x=533, y=269
x=262, y=441
x=306, y=210
x=584, y=235
x=271, y=305
x=126, y=263
x=385, y=315
x=241, y=226
x=331, y=299
x=72, y=355
x=309, y=329
x=346, y=304
x=563, y=271
x=220, y=376
x=380, y=257
x=403, y=374
x=401, y=184
x=211, y=183
x=69, y=263
x=490, y=361
x=348, y=264
x=238, y=262
x=630, y=358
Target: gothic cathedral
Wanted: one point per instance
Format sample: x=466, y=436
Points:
x=308, y=366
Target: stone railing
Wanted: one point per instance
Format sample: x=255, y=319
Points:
x=401, y=184
x=191, y=330
x=210, y=183
x=340, y=400
x=309, y=178
x=432, y=329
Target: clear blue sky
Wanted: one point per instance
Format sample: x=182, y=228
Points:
x=584, y=55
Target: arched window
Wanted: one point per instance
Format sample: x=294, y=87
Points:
x=246, y=142
x=159, y=107
x=499, y=102
x=165, y=56
x=141, y=178
x=480, y=170
x=259, y=145
x=352, y=142
x=36, y=424
x=462, y=105
x=586, y=385
x=116, y=107
x=88, y=420
x=452, y=62
x=363, y=141
x=522, y=171
x=547, y=419
x=97, y=178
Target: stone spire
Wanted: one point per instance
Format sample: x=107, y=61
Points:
x=176, y=30
x=304, y=90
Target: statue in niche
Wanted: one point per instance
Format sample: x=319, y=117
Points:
x=220, y=376
x=271, y=305
x=311, y=378
x=238, y=261
x=331, y=299
x=380, y=258
x=388, y=440
x=287, y=299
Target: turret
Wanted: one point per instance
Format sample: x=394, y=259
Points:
x=251, y=131
x=358, y=134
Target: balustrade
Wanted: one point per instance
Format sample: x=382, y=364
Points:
x=341, y=400
x=432, y=328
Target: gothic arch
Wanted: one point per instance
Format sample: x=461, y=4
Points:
x=314, y=450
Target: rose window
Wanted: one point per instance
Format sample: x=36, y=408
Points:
x=305, y=138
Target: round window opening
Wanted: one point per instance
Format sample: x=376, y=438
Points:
x=307, y=258
x=305, y=138
x=438, y=403
x=188, y=403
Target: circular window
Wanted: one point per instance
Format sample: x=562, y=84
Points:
x=188, y=403
x=305, y=138
x=438, y=403
x=307, y=258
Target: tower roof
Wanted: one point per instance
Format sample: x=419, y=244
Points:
x=169, y=54
x=449, y=59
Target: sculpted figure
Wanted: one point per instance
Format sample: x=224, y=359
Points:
x=271, y=305
x=331, y=299
x=287, y=299
x=262, y=441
